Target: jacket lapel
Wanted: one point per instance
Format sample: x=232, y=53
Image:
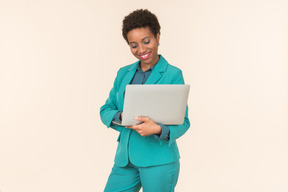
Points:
x=158, y=71
x=126, y=80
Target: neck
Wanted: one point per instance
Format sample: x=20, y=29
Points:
x=145, y=67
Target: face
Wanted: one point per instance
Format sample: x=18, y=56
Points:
x=144, y=46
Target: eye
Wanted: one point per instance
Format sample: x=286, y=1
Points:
x=133, y=46
x=147, y=41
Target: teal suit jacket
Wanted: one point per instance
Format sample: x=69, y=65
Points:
x=143, y=151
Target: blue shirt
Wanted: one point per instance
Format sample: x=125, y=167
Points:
x=141, y=77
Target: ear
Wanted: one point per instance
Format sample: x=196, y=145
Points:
x=158, y=37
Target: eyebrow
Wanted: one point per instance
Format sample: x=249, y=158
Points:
x=141, y=39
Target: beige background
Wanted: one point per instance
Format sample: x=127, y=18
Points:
x=59, y=58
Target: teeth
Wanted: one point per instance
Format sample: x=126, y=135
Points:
x=145, y=55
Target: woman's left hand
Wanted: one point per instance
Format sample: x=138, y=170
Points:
x=148, y=127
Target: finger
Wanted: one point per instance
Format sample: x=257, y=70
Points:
x=142, y=118
x=135, y=127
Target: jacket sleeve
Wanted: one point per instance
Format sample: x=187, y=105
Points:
x=109, y=109
x=177, y=131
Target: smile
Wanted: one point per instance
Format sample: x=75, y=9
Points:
x=146, y=56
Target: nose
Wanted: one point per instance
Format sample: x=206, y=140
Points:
x=141, y=49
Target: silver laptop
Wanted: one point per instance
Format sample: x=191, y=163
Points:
x=163, y=103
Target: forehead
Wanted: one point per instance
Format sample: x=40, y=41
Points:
x=138, y=34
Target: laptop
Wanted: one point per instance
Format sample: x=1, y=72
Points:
x=163, y=103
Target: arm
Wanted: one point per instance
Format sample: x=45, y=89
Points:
x=165, y=131
x=177, y=131
x=109, y=109
x=117, y=117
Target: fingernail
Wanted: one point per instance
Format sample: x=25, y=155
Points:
x=136, y=118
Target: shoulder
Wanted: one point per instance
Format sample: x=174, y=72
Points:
x=127, y=68
x=123, y=71
x=175, y=74
x=172, y=74
x=165, y=66
x=173, y=68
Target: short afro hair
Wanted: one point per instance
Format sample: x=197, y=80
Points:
x=138, y=19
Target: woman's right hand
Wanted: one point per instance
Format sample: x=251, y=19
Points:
x=147, y=127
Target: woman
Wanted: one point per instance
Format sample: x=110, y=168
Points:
x=147, y=154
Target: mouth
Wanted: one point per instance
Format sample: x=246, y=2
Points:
x=145, y=56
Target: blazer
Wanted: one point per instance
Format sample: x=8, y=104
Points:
x=143, y=151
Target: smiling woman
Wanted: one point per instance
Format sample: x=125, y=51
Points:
x=144, y=46
x=147, y=154
x=141, y=30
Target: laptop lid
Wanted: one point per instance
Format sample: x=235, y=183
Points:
x=163, y=103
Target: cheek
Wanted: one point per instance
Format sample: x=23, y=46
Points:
x=154, y=46
x=133, y=51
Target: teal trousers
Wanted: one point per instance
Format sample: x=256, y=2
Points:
x=160, y=178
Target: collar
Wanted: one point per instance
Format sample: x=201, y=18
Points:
x=139, y=68
x=160, y=66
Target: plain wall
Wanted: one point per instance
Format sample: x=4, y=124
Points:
x=58, y=61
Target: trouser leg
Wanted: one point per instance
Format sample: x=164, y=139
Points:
x=160, y=178
x=123, y=179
